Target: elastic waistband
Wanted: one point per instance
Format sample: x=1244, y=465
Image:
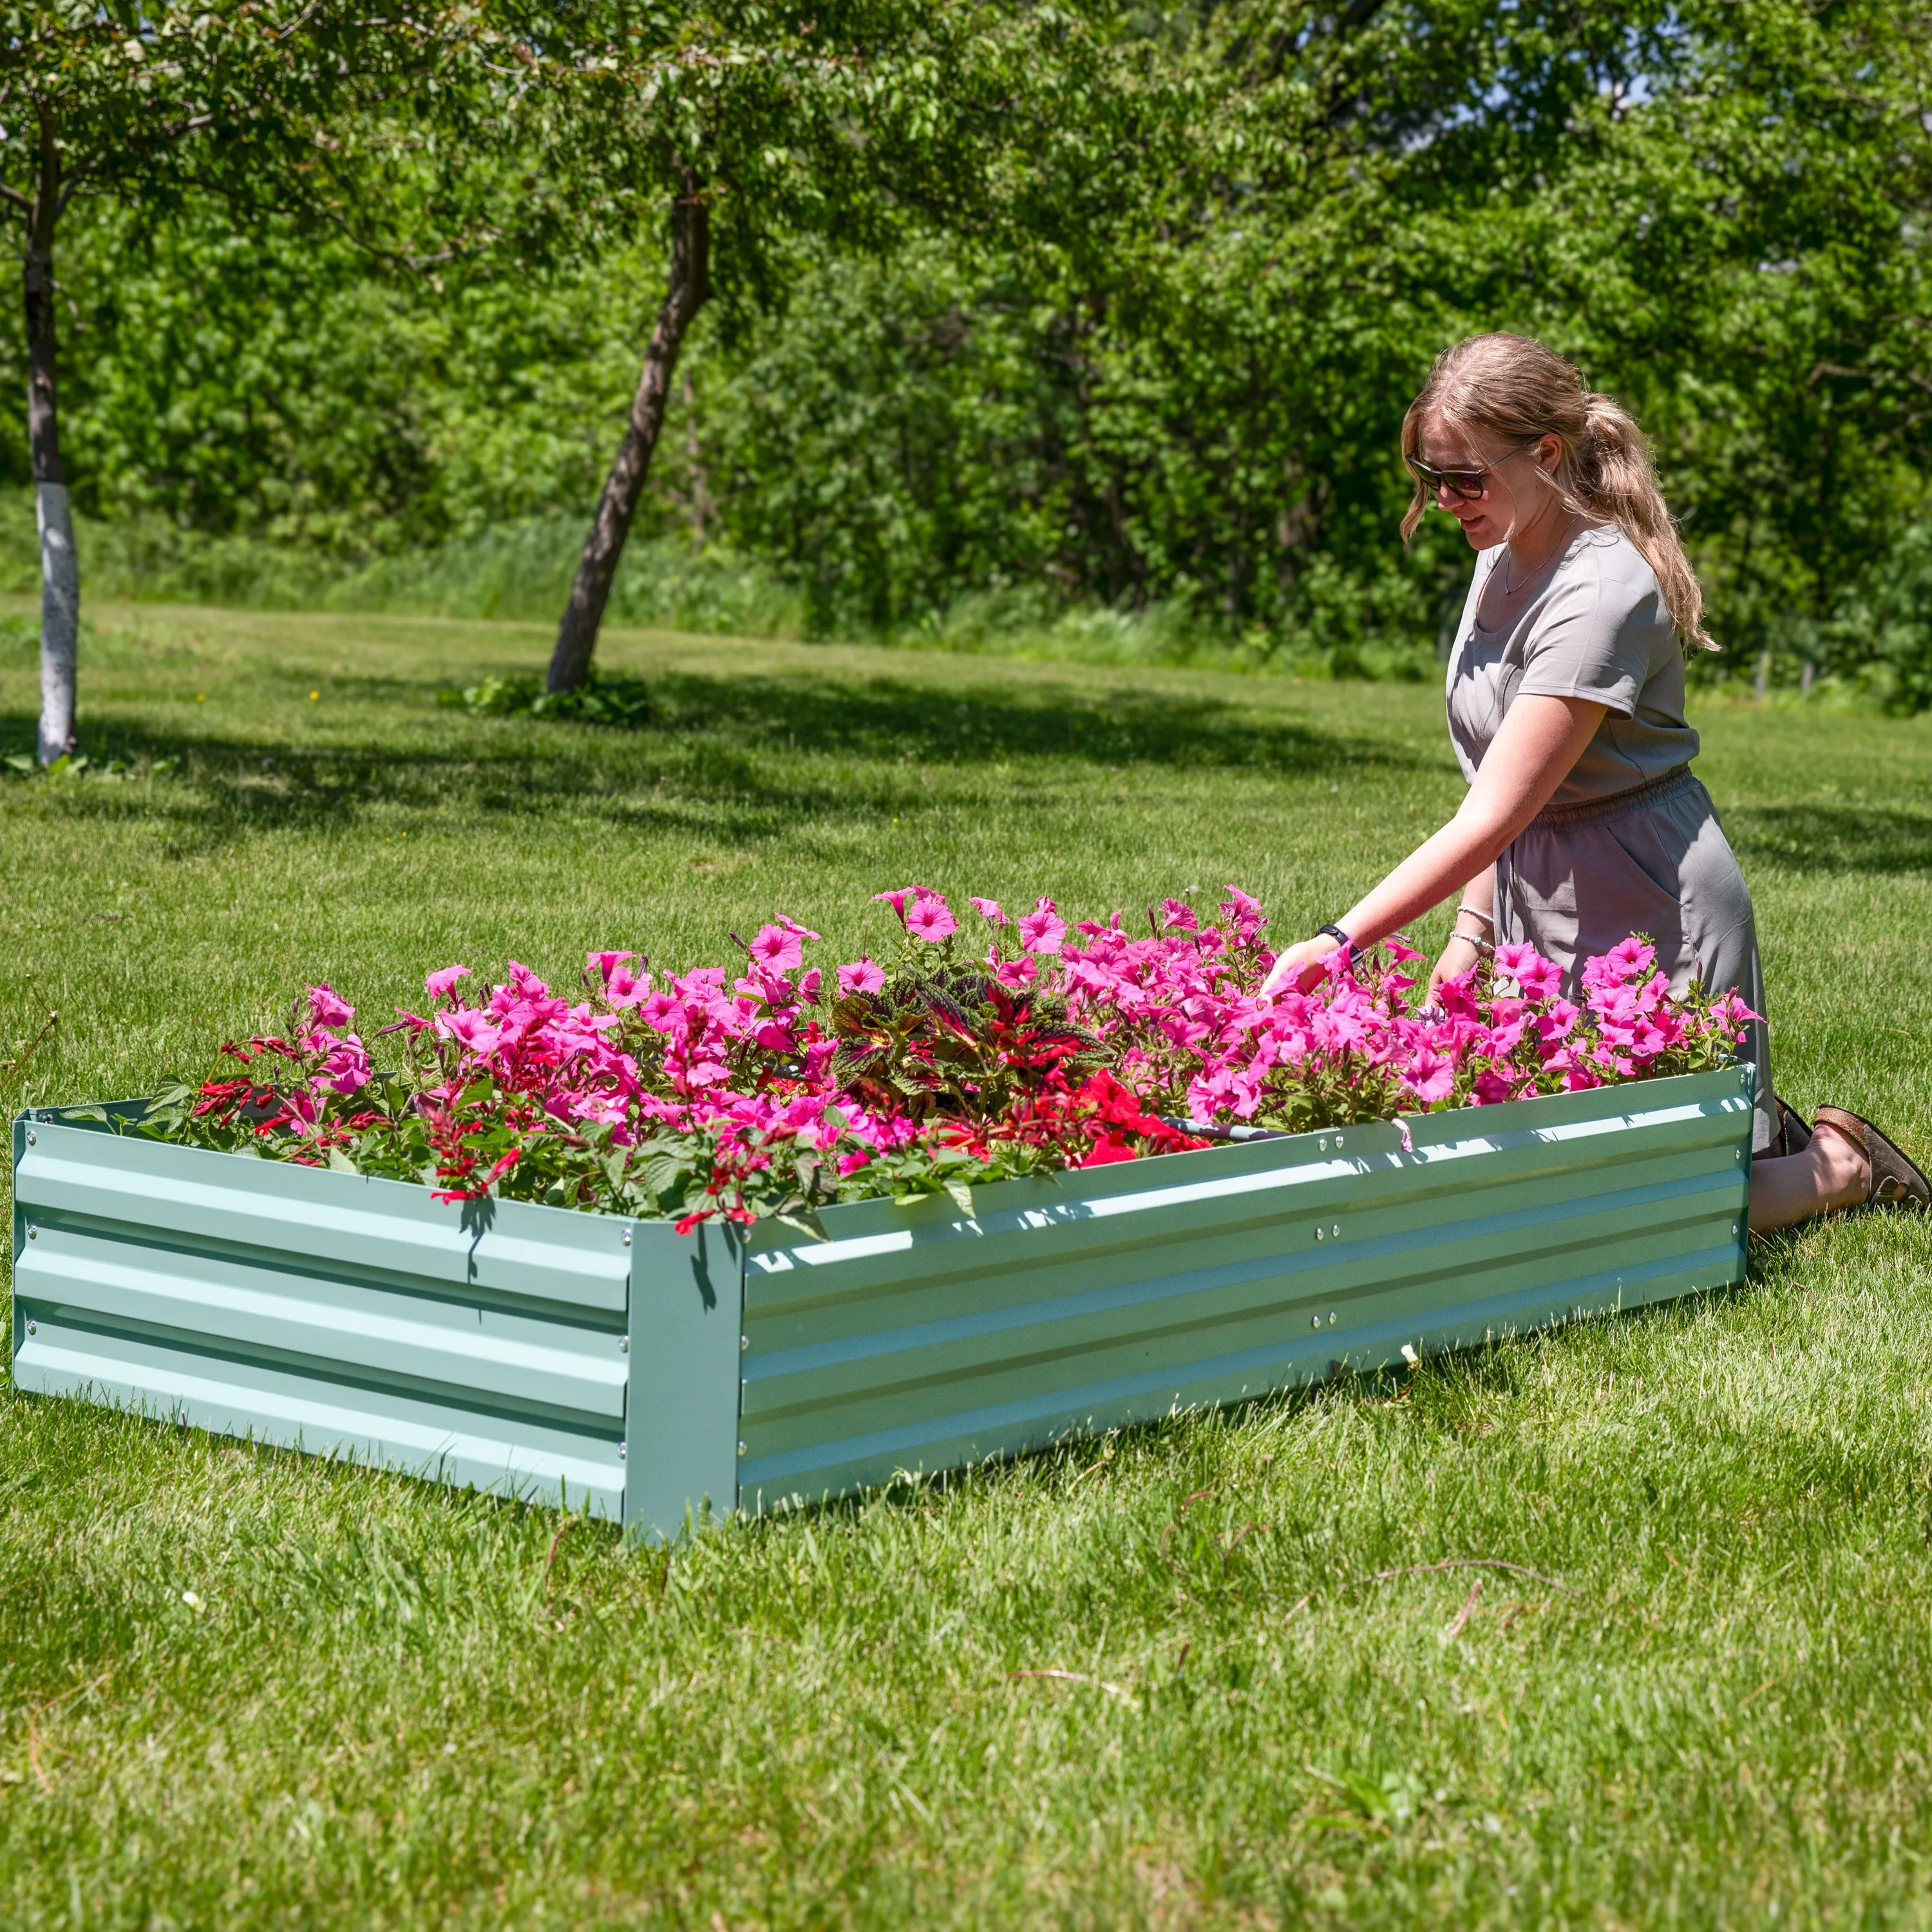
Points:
x=1680, y=778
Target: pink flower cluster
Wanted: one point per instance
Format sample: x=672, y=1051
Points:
x=1181, y=1009
x=522, y=1081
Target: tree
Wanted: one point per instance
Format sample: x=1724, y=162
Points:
x=751, y=121
x=238, y=97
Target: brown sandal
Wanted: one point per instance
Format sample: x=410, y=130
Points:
x=1793, y=1136
x=1894, y=1179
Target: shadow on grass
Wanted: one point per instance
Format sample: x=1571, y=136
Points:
x=1817, y=839
x=740, y=748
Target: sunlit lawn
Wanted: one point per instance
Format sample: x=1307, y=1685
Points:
x=393, y=1704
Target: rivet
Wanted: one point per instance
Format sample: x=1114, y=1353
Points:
x=1318, y=1234
x=30, y=1140
x=620, y=1452
x=33, y=1233
x=1318, y=1321
x=1331, y=1317
x=1325, y=1146
x=741, y=1448
x=33, y=1327
x=1336, y=1229
x=744, y=1343
x=1734, y=1227
x=627, y=1237
x=1338, y=1140
x=624, y=1345
x=1737, y=1153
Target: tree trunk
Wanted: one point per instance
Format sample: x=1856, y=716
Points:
x=60, y=575
x=576, y=635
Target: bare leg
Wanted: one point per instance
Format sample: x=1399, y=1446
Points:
x=1831, y=1172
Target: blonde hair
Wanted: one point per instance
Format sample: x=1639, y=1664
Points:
x=1519, y=391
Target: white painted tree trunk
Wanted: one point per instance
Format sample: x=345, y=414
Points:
x=60, y=619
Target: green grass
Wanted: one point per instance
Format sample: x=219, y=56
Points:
x=392, y=1704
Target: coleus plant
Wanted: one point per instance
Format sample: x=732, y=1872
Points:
x=1030, y=1048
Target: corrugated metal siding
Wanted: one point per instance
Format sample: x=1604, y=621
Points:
x=912, y=1339
x=299, y=1307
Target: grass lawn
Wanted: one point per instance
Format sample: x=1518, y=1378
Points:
x=391, y=1704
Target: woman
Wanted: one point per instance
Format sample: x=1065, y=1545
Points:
x=1583, y=822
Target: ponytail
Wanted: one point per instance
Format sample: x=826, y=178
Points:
x=1519, y=391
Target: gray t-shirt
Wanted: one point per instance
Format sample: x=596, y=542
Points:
x=1597, y=627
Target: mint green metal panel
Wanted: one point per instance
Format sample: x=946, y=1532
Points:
x=686, y=1310
x=913, y=1338
x=482, y=1343
x=488, y=1344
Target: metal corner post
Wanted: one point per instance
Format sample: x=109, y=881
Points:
x=687, y=1321
x=19, y=1223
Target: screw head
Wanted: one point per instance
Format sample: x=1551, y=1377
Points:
x=620, y=1452
x=627, y=1237
x=33, y=1233
x=1336, y=1230
x=1331, y=1317
x=744, y=1343
x=30, y=1140
x=1325, y=1144
x=1318, y=1321
x=1318, y=1234
x=624, y=1345
x=33, y=1327
x=741, y=1448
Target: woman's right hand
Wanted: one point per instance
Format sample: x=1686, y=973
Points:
x=1455, y=959
x=1300, y=968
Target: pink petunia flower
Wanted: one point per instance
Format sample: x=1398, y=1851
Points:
x=777, y=949
x=1429, y=1076
x=1493, y=1087
x=989, y=909
x=470, y=1028
x=1176, y=916
x=862, y=976
x=1514, y=957
x=347, y=1069
x=896, y=899
x=1542, y=981
x=1042, y=929
x=623, y=988
x=1244, y=913
x=1014, y=972
x=325, y=1008
x=606, y=963
x=526, y=982
x=441, y=983
x=931, y=919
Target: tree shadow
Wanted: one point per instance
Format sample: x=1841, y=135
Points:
x=889, y=718
x=742, y=759
x=1824, y=838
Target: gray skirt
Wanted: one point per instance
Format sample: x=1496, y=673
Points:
x=1580, y=877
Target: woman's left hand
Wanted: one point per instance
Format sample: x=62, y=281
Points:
x=1300, y=966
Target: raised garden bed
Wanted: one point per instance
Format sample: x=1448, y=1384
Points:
x=586, y=1359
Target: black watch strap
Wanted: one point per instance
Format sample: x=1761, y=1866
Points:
x=1335, y=932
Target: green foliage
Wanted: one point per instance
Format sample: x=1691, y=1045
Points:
x=598, y=700
x=1133, y=398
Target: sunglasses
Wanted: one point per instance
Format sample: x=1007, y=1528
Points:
x=1466, y=483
